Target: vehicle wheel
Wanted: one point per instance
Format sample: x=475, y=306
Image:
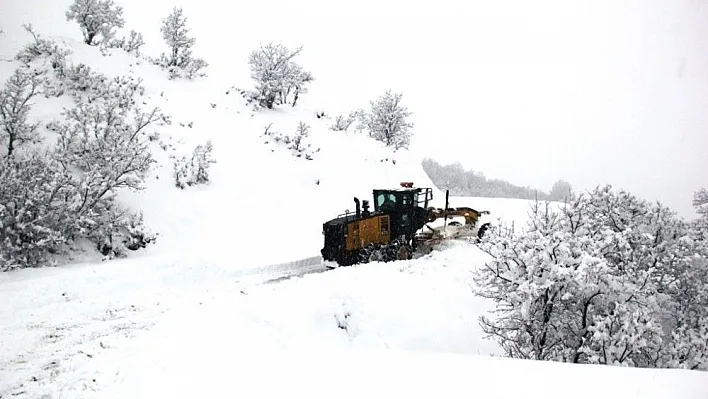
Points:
x=404, y=252
x=398, y=249
x=376, y=256
x=371, y=253
x=482, y=230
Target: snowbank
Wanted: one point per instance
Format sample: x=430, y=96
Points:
x=407, y=328
x=397, y=373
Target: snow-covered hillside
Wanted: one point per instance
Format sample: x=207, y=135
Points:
x=228, y=301
x=257, y=191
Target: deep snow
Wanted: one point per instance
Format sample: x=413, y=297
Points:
x=202, y=312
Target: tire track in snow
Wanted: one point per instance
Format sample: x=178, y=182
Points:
x=282, y=271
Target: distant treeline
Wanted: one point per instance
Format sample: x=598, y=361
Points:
x=469, y=183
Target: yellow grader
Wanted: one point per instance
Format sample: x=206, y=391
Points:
x=398, y=227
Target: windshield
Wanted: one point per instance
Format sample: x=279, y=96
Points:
x=385, y=198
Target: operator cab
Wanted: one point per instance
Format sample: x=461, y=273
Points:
x=402, y=199
x=406, y=206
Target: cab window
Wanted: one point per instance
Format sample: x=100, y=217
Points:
x=382, y=199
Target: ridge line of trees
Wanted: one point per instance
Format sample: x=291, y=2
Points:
x=468, y=183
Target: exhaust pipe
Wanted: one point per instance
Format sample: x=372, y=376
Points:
x=358, y=207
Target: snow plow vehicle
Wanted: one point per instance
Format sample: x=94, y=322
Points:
x=397, y=228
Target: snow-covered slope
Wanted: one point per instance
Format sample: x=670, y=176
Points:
x=258, y=192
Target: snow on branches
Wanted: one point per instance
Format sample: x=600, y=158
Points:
x=56, y=196
x=342, y=123
x=194, y=170
x=41, y=47
x=15, y=106
x=130, y=44
x=96, y=18
x=608, y=279
x=297, y=143
x=700, y=202
x=33, y=211
x=277, y=76
x=179, y=61
x=387, y=121
x=108, y=144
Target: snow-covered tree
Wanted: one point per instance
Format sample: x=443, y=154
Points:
x=472, y=183
x=560, y=191
x=174, y=31
x=105, y=144
x=50, y=198
x=700, y=202
x=277, y=75
x=179, y=61
x=608, y=279
x=15, y=106
x=108, y=143
x=387, y=121
x=96, y=18
x=296, y=83
x=33, y=214
x=195, y=169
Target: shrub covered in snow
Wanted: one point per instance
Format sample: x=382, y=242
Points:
x=119, y=231
x=130, y=44
x=700, y=202
x=43, y=208
x=15, y=106
x=53, y=198
x=41, y=47
x=342, y=123
x=277, y=76
x=34, y=191
x=179, y=62
x=96, y=18
x=106, y=144
x=79, y=81
x=610, y=279
x=387, y=121
x=190, y=171
x=297, y=143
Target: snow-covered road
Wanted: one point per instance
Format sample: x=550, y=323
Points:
x=184, y=328
x=58, y=320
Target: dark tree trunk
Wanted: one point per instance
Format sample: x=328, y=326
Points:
x=10, y=144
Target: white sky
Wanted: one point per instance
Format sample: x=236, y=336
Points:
x=592, y=91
